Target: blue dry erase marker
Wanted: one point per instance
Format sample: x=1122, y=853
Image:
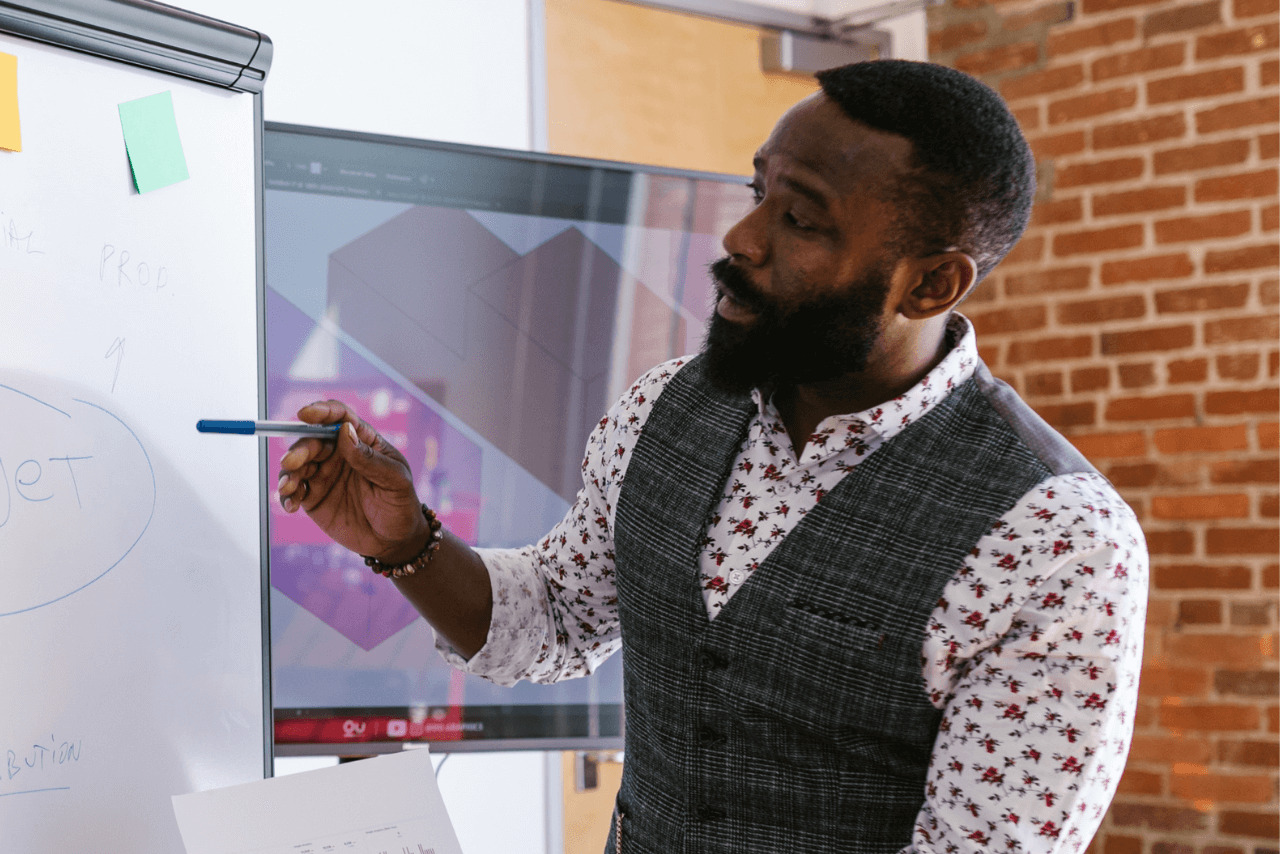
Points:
x=268, y=428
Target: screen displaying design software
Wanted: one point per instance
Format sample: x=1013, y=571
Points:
x=482, y=309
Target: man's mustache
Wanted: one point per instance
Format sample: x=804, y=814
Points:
x=733, y=280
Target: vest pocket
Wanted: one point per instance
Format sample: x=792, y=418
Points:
x=826, y=678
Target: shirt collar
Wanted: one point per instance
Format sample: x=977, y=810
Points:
x=890, y=418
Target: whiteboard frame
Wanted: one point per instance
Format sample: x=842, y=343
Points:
x=173, y=41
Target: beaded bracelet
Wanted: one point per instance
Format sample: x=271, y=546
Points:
x=423, y=558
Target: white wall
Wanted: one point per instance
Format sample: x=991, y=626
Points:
x=452, y=70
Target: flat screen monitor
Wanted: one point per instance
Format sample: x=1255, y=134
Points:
x=482, y=309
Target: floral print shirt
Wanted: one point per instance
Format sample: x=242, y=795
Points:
x=1032, y=654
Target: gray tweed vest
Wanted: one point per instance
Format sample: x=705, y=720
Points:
x=797, y=720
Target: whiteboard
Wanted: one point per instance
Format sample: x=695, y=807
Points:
x=131, y=595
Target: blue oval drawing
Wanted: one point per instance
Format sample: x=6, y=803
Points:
x=23, y=482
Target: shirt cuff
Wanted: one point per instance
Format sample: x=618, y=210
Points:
x=518, y=626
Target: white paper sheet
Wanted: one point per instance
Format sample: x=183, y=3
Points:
x=380, y=805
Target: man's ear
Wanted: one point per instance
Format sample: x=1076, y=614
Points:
x=941, y=281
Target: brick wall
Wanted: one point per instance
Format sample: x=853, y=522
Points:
x=1139, y=316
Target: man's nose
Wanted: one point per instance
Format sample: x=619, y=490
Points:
x=748, y=241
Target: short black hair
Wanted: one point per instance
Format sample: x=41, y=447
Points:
x=975, y=172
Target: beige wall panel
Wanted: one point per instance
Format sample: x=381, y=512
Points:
x=629, y=83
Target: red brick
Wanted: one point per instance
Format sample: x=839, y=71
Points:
x=1269, y=143
x=1027, y=249
x=1150, y=269
x=1199, y=507
x=1200, y=577
x=1199, y=440
x=1053, y=13
x=1255, y=111
x=1028, y=117
x=1238, y=366
x=1207, y=298
x=1233, y=650
x=1139, y=61
x=1099, y=172
x=1064, y=416
x=956, y=36
x=1211, y=155
x=1007, y=57
x=1139, y=201
x=1188, y=370
x=1258, y=327
x=1182, y=18
x=1269, y=294
x=1247, y=683
x=1140, y=132
x=1043, y=82
x=1154, y=339
x=1168, y=748
x=1101, y=310
x=1265, y=825
x=1094, y=7
x=1269, y=71
x=1198, y=612
x=1056, y=211
x=1115, y=844
x=1269, y=506
x=1268, y=435
x=1264, y=401
x=1045, y=384
x=1250, y=185
x=1242, y=541
x=1135, y=782
x=1238, y=42
x=1052, y=145
x=1207, y=227
x=1141, y=375
x=1170, y=542
x=1270, y=218
x=1202, y=84
x=1253, y=8
x=1252, y=614
x=1265, y=471
x=1157, y=817
x=1003, y=320
x=1050, y=349
x=1263, y=754
x=1097, y=240
x=1222, y=788
x=1090, y=105
x=1151, y=408
x=1100, y=35
x=1048, y=281
x=1110, y=445
x=1090, y=379
x=1266, y=255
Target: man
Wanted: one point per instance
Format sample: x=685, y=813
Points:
x=868, y=601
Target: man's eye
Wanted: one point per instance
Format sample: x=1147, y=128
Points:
x=797, y=223
x=757, y=194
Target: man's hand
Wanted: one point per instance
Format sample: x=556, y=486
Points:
x=356, y=487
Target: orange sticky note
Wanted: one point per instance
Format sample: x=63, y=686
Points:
x=10, y=135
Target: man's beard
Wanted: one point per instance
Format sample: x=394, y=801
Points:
x=819, y=340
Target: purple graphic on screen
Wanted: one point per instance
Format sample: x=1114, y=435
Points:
x=306, y=363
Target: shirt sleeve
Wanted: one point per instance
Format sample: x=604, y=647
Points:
x=1033, y=655
x=555, y=604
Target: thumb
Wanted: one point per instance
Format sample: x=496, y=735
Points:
x=371, y=463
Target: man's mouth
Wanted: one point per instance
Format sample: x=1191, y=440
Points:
x=734, y=310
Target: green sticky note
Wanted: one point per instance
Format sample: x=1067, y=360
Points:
x=151, y=140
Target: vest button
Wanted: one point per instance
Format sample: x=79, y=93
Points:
x=711, y=736
x=711, y=660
